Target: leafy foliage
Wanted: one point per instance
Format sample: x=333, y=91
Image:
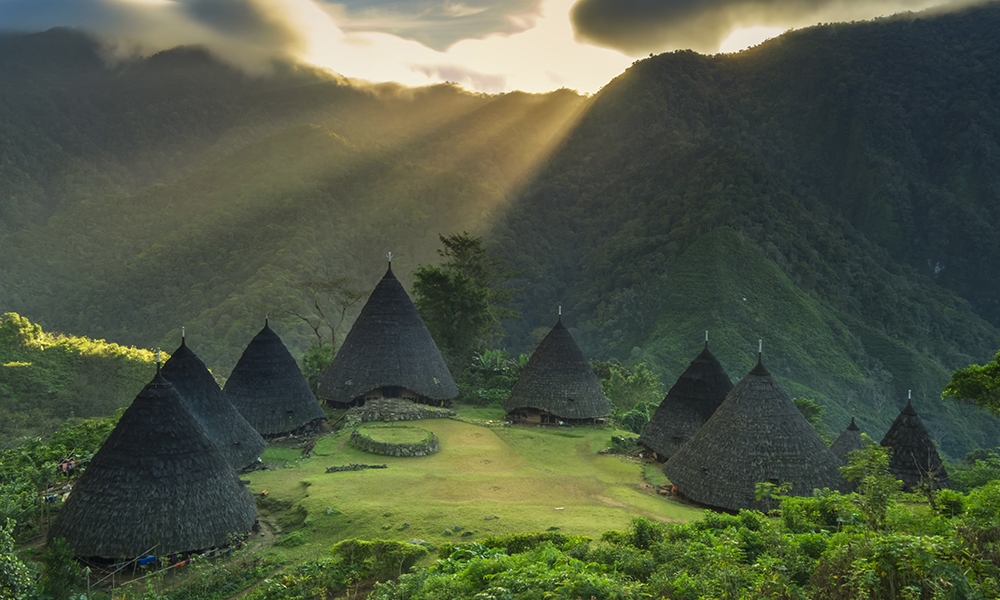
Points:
x=629, y=388
x=316, y=360
x=869, y=468
x=978, y=468
x=728, y=556
x=380, y=559
x=813, y=412
x=15, y=577
x=464, y=300
x=491, y=376
x=634, y=393
x=977, y=384
x=60, y=573
x=29, y=469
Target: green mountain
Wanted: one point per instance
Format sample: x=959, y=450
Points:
x=829, y=192
x=225, y=191
x=832, y=192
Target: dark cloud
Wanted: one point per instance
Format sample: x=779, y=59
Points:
x=642, y=26
x=246, y=33
x=244, y=19
x=37, y=15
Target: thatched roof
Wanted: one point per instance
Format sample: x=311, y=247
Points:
x=389, y=345
x=757, y=435
x=558, y=379
x=847, y=442
x=238, y=441
x=158, y=484
x=914, y=454
x=268, y=388
x=688, y=405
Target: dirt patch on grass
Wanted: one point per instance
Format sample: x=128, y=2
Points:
x=610, y=501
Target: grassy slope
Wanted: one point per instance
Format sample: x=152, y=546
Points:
x=521, y=476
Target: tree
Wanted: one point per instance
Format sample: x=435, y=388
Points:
x=977, y=384
x=464, y=300
x=324, y=304
x=813, y=413
x=869, y=467
x=628, y=389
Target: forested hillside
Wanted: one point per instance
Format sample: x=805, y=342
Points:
x=170, y=191
x=47, y=378
x=832, y=192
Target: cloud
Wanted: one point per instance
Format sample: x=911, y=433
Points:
x=639, y=27
x=469, y=78
x=436, y=24
x=531, y=46
x=247, y=33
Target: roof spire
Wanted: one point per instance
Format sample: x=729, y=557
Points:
x=265, y=319
x=706, y=339
x=853, y=426
x=760, y=351
x=182, y=335
x=158, y=363
x=389, y=256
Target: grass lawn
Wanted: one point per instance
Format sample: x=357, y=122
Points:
x=394, y=433
x=485, y=480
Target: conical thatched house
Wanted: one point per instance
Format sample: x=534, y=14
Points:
x=557, y=385
x=238, y=441
x=269, y=390
x=756, y=436
x=688, y=405
x=158, y=485
x=847, y=442
x=914, y=459
x=389, y=353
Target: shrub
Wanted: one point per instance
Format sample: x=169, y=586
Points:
x=516, y=543
x=719, y=521
x=60, y=572
x=15, y=577
x=950, y=503
x=380, y=559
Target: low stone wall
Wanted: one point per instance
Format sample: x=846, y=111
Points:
x=394, y=409
x=427, y=446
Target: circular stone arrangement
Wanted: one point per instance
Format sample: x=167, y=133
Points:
x=395, y=440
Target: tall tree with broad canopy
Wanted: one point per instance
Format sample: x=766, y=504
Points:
x=464, y=300
x=977, y=384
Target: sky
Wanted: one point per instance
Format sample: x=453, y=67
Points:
x=489, y=46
